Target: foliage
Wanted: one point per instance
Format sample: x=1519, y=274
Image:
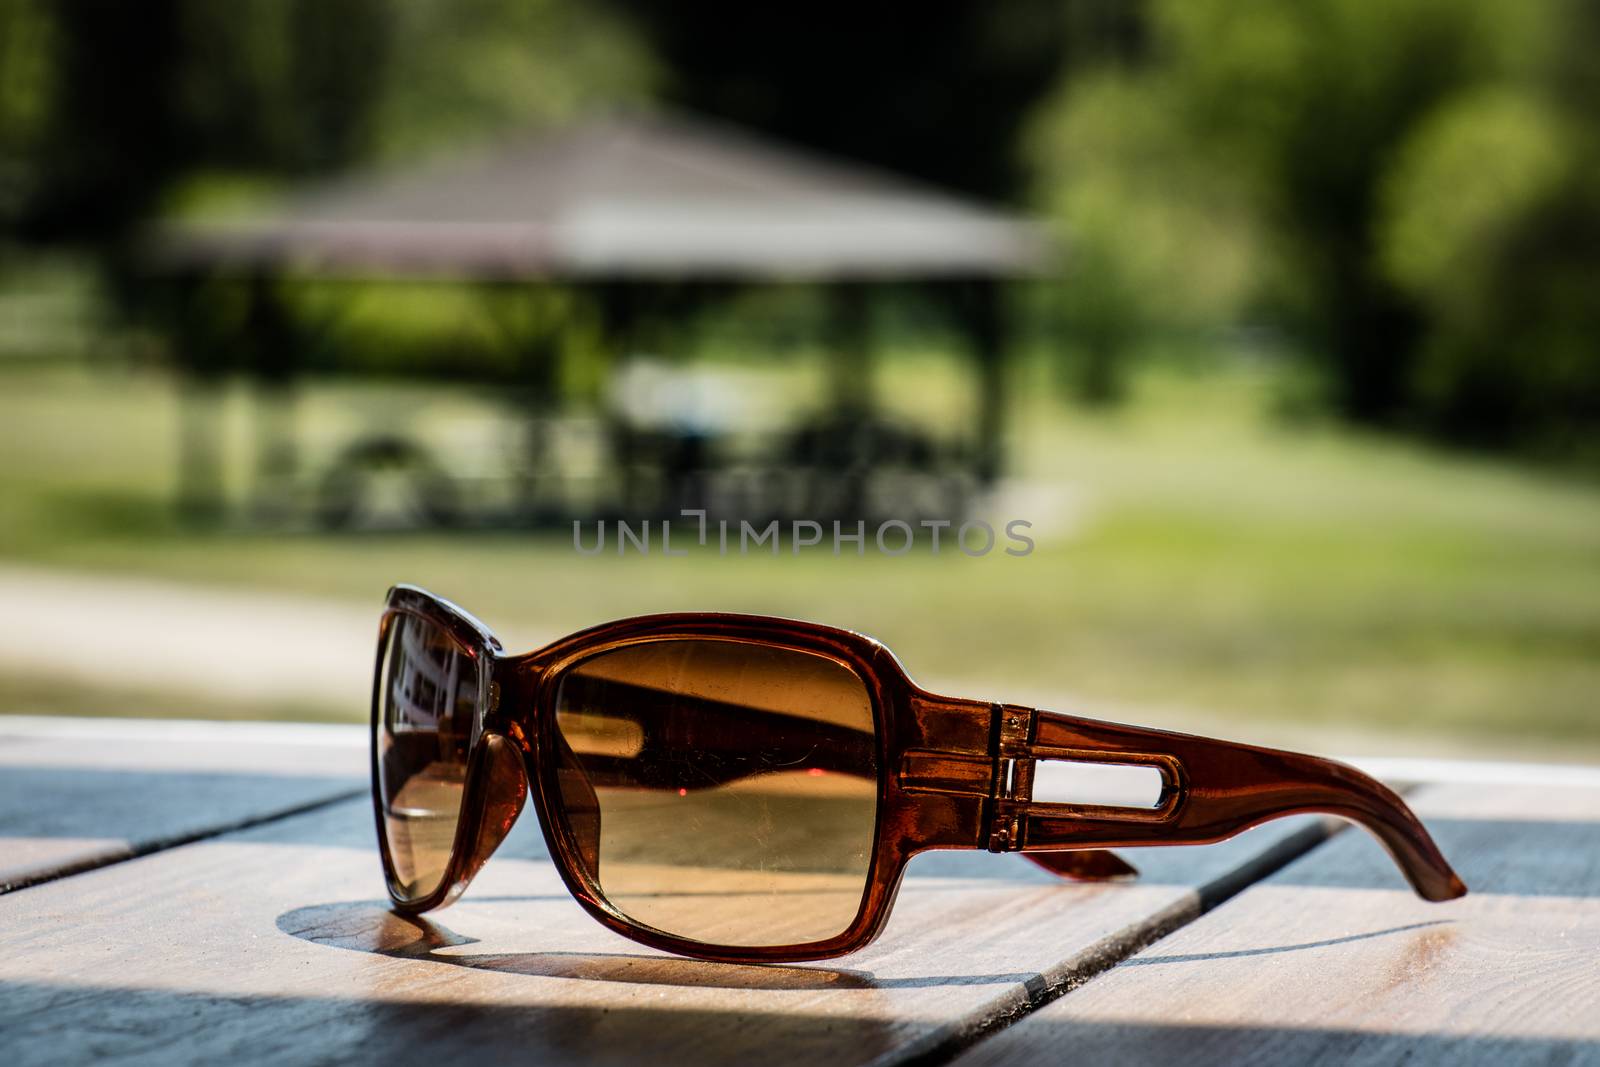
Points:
x=466, y=70
x=1144, y=215
x=938, y=92
x=25, y=41
x=109, y=110
x=1491, y=222
x=1410, y=187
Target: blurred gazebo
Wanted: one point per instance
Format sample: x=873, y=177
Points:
x=630, y=208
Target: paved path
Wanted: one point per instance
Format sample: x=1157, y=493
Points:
x=144, y=635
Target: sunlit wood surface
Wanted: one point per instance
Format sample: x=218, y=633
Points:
x=212, y=894
x=1330, y=961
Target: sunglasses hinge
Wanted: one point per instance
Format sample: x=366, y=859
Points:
x=1012, y=788
x=1002, y=778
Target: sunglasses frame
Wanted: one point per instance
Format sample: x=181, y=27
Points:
x=953, y=773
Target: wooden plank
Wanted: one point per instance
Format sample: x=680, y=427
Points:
x=1332, y=960
x=76, y=794
x=274, y=943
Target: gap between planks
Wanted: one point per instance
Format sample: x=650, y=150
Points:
x=162, y=844
x=1330, y=961
x=1049, y=986
x=1406, y=775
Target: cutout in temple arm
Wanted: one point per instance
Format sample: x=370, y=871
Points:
x=1215, y=789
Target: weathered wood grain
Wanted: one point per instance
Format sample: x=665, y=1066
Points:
x=76, y=794
x=274, y=944
x=1329, y=961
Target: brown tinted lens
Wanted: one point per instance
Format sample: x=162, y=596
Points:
x=720, y=791
x=429, y=693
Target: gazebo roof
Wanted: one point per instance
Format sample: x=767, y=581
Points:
x=640, y=196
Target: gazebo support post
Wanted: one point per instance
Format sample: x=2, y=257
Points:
x=537, y=343
x=273, y=345
x=621, y=313
x=850, y=354
x=200, y=375
x=199, y=437
x=982, y=319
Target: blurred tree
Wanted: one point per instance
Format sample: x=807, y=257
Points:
x=1410, y=185
x=26, y=75
x=110, y=110
x=939, y=92
x=280, y=86
x=1491, y=220
x=1158, y=241
x=1309, y=101
x=464, y=70
x=88, y=105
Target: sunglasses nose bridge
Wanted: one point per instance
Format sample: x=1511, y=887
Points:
x=510, y=728
x=514, y=689
x=505, y=791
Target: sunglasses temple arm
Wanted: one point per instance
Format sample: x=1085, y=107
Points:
x=1216, y=789
x=1085, y=865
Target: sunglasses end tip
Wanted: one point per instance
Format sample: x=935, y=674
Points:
x=1448, y=887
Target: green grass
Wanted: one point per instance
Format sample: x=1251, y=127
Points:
x=1194, y=553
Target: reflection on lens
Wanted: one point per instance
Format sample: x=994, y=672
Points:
x=718, y=791
x=430, y=691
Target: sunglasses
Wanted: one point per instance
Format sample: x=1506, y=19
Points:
x=750, y=789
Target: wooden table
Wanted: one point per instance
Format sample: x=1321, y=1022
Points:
x=210, y=893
